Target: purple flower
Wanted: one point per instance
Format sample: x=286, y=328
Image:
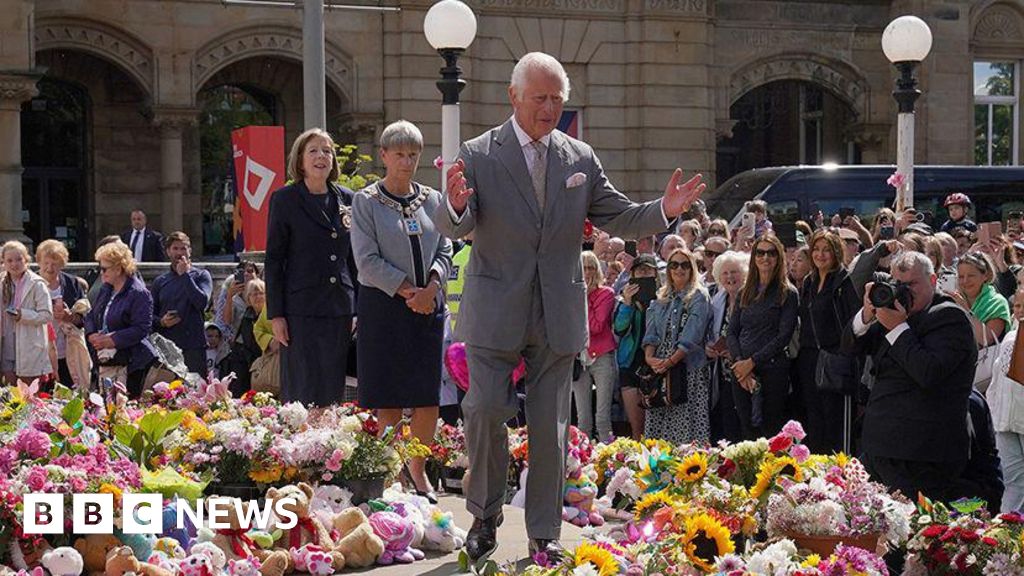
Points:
x=32, y=443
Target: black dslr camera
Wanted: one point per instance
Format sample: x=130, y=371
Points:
x=886, y=294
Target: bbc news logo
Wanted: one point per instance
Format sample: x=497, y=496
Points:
x=143, y=513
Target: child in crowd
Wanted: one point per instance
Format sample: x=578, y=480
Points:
x=216, y=349
x=957, y=204
x=759, y=208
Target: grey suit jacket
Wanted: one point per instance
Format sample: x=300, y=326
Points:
x=514, y=247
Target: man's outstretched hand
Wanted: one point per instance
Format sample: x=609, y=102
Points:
x=458, y=194
x=678, y=196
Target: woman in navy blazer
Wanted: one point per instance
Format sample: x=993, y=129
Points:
x=118, y=326
x=310, y=274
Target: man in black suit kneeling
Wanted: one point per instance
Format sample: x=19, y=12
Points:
x=915, y=436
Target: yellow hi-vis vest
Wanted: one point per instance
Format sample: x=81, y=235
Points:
x=456, y=280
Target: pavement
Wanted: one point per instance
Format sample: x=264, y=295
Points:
x=512, y=543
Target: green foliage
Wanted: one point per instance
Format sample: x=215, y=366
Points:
x=145, y=438
x=350, y=162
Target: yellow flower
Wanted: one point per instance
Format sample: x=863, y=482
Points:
x=842, y=459
x=812, y=561
x=693, y=467
x=651, y=503
x=107, y=488
x=706, y=539
x=199, y=433
x=602, y=559
x=267, y=475
x=771, y=468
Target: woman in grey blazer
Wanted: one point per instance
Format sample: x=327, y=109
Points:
x=403, y=263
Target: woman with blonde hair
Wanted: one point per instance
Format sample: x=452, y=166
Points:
x=24, y=346
x=118, y=326
x=310, y=274
x=676, y=327
x=988, y=309
x=599, y=367
x=65, y=291
x=760, y=330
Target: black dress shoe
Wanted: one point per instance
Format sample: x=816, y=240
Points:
x=550, y=548
x=482, y=539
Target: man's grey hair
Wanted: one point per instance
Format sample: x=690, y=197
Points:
x=541, y=62
x=741, y=259
x=913, y=261
x=401, y=134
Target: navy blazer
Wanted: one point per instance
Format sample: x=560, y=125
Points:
x=152, y=245
x=309, y=267
x=129, y=322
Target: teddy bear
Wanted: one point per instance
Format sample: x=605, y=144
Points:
x=442, y=534
x=312, y=559
x=309, y=530
x=397, y=533
x=141, y=544
x=94, y=549
x=579, y=494
x=328, y=501
x=356, y=539
x=236, y=543
x=63, y=561
x=218, y=559
x=122, y=560
x=250, y=566
x=195, y=565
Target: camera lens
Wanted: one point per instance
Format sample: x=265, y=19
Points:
x=919, y=217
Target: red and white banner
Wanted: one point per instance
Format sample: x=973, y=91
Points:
x=258, y=152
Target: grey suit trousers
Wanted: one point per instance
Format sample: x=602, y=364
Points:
x=491, y=402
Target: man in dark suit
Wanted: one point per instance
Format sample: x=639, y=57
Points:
x=915, y=435
x=525, y=189
x=146, y=244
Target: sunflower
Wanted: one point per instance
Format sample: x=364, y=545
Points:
x=706, y=539
x=601, y=558
x=650, y=503
x=771, y=468
x=692, y=468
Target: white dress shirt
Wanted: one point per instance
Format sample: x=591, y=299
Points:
x=860, y=328
x=138, y=243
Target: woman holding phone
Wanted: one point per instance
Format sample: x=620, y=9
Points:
x=24, y=348
x=629, y=323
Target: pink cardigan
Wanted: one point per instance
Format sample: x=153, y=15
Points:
x=600, y=304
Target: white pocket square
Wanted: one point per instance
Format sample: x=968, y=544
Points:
x=576, y=179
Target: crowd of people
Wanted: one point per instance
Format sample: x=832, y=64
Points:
x=889, y=340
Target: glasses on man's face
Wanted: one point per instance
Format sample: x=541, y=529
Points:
x=773, y=253
x=711, y=254
x=675, y=265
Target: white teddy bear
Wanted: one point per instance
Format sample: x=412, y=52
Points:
x=63, y=561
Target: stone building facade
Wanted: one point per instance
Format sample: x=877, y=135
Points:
x=103, y=103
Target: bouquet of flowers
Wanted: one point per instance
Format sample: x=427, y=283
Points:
x=449, y=449
x=842, y=502
x=962, y=539
x=780, y=558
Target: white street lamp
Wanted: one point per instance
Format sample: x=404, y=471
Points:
x=450, y=27
x=906, y=41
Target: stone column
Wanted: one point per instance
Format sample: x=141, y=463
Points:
x=15, y=88
x=172, y=122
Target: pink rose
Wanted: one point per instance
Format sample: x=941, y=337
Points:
x=800, y=453
x=794, y=430
x=37, y=479
x=32, y=443
x=77, y=484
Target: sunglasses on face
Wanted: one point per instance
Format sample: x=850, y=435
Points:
x=758, y=253
x=711, y=253
x=675, y=265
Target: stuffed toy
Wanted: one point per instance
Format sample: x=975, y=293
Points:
x=235, y=543
x=170, y=547
x=312, y=559
x=37, y=571
x=442, y=534
x=309, y=529
x=195, y=565
x=94, y=549
x=328, y=501
x=141, y=544
x=397, y=533
x=356, y=539
x=250, y=566
x=162, y=560
x=63, y=561
x=122, y=560
x=579, y=494
x=182, y=535
x=218, y=559
x=24, y=554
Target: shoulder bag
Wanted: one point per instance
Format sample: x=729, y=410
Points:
x=668, y=389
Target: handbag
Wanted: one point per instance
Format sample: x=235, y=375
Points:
x=986, y=361
x=668, y=389
x=265, y=373
x=836, y=373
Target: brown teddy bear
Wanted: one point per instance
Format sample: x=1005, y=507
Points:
x=357, y=540
x=309, y=529
x=94, y=549
x=122, y=560
x=236, y=543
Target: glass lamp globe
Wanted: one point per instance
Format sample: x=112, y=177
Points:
x=450, y=24
x=907, y=39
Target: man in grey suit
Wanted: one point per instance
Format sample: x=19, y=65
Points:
x=524, y=190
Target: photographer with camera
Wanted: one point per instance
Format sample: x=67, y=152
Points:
x=915, y=435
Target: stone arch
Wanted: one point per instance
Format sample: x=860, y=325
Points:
x=842, y=79
x=997, y=24
x=113, y=44
x=271, y=40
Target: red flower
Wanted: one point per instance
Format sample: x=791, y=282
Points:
x=370, y=426
x=780, y=443
x=933, y=531
x=969, y=536
x=1012, y=517
x=990, y=541
x=726, y=469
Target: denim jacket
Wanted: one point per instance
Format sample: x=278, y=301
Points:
x=691, y=337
